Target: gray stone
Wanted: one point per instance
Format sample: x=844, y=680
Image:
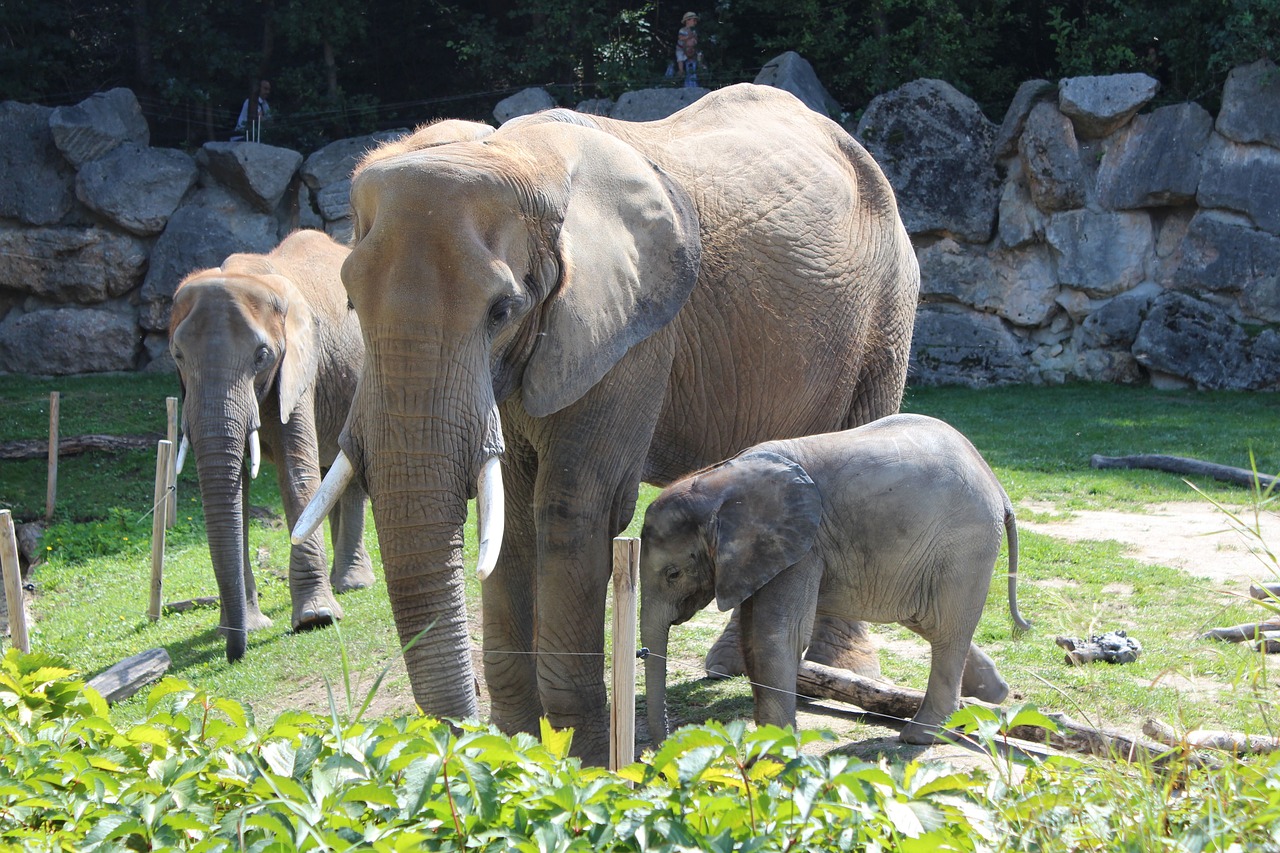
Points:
x=1018, y=286
x=595, y=106
x=1221, y=253
x=1102, y=254
x=340, y=230
x=335, y=161
x=1028, y=95
x=792, y=73
x=523, y=103
x=334, y=201
x=1192, y=340
x=136, y=188
x=953, y=345
x=653, y=104
x=260, y=173
x=35, y=180
x=68, y=341
x=308, y=209
x=1115, y=324
x=1020, y=222
x=1098, y=106
x=159, y=358
x=1264, y=355
x=1251, y=104
x=81, y=265
x=1244, y=178
x=200, y=234
x=1051, y=160
x=98, y=124
x=1155, y=161
x=934, y=145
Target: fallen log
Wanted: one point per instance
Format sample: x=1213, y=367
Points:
x=1245, y=633
x=119, y=682
x=889, y=700
x=1264, y=591
x=190, y=604
x=1236, y=743
x=1184, y=465
x=38, y=448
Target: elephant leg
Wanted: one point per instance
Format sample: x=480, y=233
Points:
x=777, y=622
x=510, y=667
x=843, y=643
x=352, y=568
x=724, y=659
x=981, y=680
x=950, y=647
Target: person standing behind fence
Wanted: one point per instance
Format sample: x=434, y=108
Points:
x=252, y=114
x=687, y=49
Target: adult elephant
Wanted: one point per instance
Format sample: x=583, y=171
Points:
x=268, y=355
x=597, y=303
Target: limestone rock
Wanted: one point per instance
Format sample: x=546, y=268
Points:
x=523, y=103
x=260, y=173
x=80, y=265
x=953, y=345
x=98, y=124
x=1251, y=104
x=935, y=147
x=35, y=180
x=1193, y=340
x=1102, y=254
x=335, y=161
x=1018, y=286
x=1098, y=106
x=1223, y=253
x=1155, y=161
x=1028, y=95
x=1051, y=160
x=1244, y=178
x=137, y=188
x=595, y=106
x=791, y=72
x=69, y=341
x=653, y=104
x=1020, y=222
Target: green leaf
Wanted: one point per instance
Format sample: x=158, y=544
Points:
x=556, y=741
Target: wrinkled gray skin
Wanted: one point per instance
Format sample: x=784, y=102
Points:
x=602, y=303
x=900, y=520
x=267, y=343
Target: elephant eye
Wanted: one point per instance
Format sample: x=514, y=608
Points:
x=262, y=358
x=672, y=573
x=502, y=310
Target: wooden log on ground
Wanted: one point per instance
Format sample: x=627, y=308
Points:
x=1246, y=633
x=38, y=448
x=1236, y=743
x=902, y=702
x=1264, y=591
x=191, y=604
x=126, y=678
x=1184, y=465
x=1269, y=644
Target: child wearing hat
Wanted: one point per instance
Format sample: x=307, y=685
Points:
x=687, y=49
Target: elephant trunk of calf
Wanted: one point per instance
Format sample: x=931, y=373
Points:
x=223, y=490
x=655, y=628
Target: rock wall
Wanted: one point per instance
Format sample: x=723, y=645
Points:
x=1082, y=238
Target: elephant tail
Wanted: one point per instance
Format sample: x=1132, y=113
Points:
x=1011, y=531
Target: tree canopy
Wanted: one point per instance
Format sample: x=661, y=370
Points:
x=341, y=68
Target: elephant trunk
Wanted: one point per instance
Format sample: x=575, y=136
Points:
x=655, y=628
x=222, y=489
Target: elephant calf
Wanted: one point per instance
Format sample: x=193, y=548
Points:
x=268, y=352
x=899, y=520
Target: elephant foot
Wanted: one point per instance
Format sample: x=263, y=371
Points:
x=724, y=660
x=256, y=620
x=357, y=575
x=316, y=612
x=920, y=734
x=844, y=644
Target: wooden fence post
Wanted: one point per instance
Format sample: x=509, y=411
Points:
x=164, y=461
x=13, y=583
x=622, y=712
x=171, y=504
x=51, y=496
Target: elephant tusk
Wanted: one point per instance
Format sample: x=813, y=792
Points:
x=255, y=454
x=491, y=507
x=326, y=497
x=183, y=447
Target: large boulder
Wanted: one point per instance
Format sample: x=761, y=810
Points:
x=953, y=345
x=98, y=124
x=1028, y=95
x=1222, y=253
x=1155, y=161
x=792, y=73
x=1192, y=340
x=35, y=180
x=1102, y=254
x=201, y=234
x=1251, y=104
x=653, y=104
x=1243, y=178
x=1018, y=286
x=1098, y=106
x=260, y=173
x=137, y=188
x=523, y=103
x=935, y=146
x=69, y=341
x=335, y=162
x=1020, y=221
x=81, y=265
x=1051, y=160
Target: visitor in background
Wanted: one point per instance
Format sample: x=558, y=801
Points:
x=252, y=114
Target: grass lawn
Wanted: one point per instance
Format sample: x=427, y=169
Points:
x=92, y=591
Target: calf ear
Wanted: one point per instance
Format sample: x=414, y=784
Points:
x=298, y=369
x=766, y=523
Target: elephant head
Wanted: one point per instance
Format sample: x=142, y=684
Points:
x=239, y=335
x=723, y=532
x=522, y=264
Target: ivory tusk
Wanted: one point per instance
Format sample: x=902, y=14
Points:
x=326, y=497
x=255, y=454
x=183, y=447
x=491, y=507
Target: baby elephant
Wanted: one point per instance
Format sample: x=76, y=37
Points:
x=896, y=521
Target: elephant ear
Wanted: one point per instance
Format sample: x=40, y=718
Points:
x=628, y=250
x=299, y=362
x=766, y=523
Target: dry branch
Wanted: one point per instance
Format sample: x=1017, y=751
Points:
x=1237, y=743
x=902, y=702
x=1184, y=465
x=1264, y=591
x=190, y=604
x=126, y=678
x=38, y=448
x=1245, y=633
